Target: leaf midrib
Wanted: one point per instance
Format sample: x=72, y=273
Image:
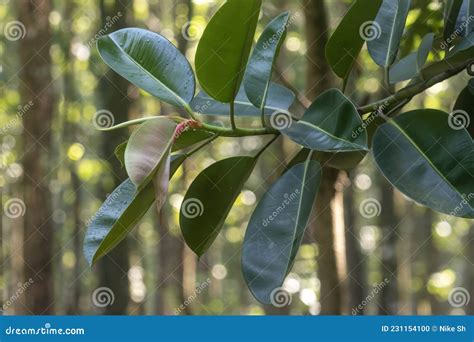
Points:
x=415, y=145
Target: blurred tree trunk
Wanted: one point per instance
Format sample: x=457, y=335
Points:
x=113, y=97
x=319, y=78
x=388, y=225
x=355, y=281
x=36, y=86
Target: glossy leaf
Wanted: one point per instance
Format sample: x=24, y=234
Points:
x=391, y=20
x=224, y=48
x=119, y=214
x=434, y=165
x=147, y=149
x=345, y=44
x=331, y=123
x=151, y=62
x=190, y=137
x=464, y=108
x=279, y=99
x=276, y=229
x=464, y=24
x=409, y=66
x=451, y=13
x=260, y=66
x=209, y=200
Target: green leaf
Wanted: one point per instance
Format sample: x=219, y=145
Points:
x=450, y=17
x=421, y=154
x=147, y=150
x=224, y=48
x=391, y=21
x=463, y=23
x=331, y=123
x=209, y=200
x=189, y=137
x=151, y=62
x=120, y=152
x=260, y=66
x=464, y=108
x=410, y=66
x=279, y=99
x=276, y=229
x=345, y=44
x=119, y=214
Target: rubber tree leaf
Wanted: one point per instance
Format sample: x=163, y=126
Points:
x=151, y=62
x=119, y=214
x=209, y=200
x=120, y=152
x=224, y=48
x=147, y=150
x=451, y=13
x=391, y=20
x=433, y=165
x=190, y=137
x=329, y=124
x=260, y=66
x=410, y=66
x=279, y=99
x=276, y=229
x=463, y=110
x=465, y=21
x=345, y=44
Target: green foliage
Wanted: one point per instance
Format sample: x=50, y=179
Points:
x=464, y=107
x=434, y=169
x=151, y=62
x=209, y=200
x=426, y=154
x=345, y=44
x=331, y=123
x=391, y=23
x=451, y=12
x=277, y=227
x=224, y=48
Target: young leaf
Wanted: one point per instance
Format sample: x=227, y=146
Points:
x=151, y=62
x=279, y=99
x=147, y=149
x=434, y=165
x=209, y=200
x=345, y=44
x=410, y=66
x=391, y=21
x=260, y=66
x=464, y=108
x=224, y=48
x=331, y=123
x=451, y=13
x=119, y=214
x=276, y=229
